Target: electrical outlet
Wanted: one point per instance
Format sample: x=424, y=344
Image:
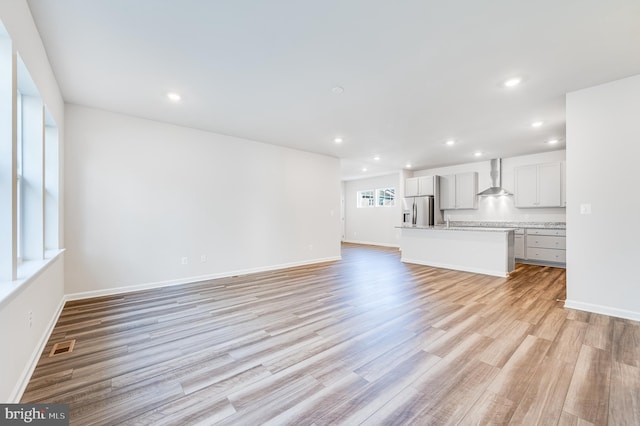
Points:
x=203, y=258
x=30, y=319
x=310, y=247
x=185, y=260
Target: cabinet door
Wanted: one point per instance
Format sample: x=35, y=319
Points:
x=425, y=185
x=519, y=246
x=526, y=186
x=467, y=190
x=411, y=187
x=447, y=192
x=549, y=185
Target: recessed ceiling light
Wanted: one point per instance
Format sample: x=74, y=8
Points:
x=512, y=82
x=450, y=142
x=408, y=166
x=537, y=124
x=338, y=140
x=477, y=154
x=337, y=89
x=364, y=169
x=377, y=158
x=173, y=96
x=552, y=141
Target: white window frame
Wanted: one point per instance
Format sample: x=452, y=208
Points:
x=383, y=200
x=27, y=211
x=366, y=198
x=19, y=179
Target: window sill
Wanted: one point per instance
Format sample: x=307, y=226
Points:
x=27, y=272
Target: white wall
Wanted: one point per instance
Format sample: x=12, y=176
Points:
x=373, y=225
x=603, y=147
x=42, y=295
x=501, y=208
x=141, y=195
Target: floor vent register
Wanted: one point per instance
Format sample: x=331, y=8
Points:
x=62, y=348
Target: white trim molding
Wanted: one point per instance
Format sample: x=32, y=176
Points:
x=604, y=310
x=193, y=279
x=370, y=243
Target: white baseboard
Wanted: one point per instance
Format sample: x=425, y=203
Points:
x=605, y=310
x=188, y=280
x=501, y=274
x=370, y=243
x=25, y=377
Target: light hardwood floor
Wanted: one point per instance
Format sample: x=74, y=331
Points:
x=366, y=340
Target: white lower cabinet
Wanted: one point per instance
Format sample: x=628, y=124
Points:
x=519, y=244
x=546, y=254
x=545, y=245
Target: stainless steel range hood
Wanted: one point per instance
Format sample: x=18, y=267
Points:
x=496, y=180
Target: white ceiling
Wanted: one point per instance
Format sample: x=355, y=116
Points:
x=415, y=72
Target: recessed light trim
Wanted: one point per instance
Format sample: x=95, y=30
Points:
x=512, y=82
x=175, y=97
x=552, y=141
x=337, y=140
x=450, y=142
x=478, y=154
x=364, y=169
x=377, y=158
x=337, y=89
x=537, y=124
x=408, y=165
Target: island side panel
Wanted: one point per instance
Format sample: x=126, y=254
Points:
x=481, y=252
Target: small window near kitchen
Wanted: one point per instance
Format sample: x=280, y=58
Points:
x=366, y=198
x=386, y=197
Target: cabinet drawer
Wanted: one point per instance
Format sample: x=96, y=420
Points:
x=546, y=241
x=548, y=255
x=557, y=232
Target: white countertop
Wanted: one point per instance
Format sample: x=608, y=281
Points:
x=503, y=224
x=458, y=228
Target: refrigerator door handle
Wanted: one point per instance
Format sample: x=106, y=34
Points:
x=414, y=216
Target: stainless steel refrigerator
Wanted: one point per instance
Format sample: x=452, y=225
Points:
x=418, y=211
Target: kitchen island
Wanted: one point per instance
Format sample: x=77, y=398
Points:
x=481, y=250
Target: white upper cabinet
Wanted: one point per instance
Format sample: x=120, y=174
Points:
x=459, y=191
x=467, y=190
x=448, y=192
x=411, y=187
x=426, y=185
x=419, y=186
x=526, y=186
x=539, y=185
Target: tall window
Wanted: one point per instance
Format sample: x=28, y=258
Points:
x=29, y=172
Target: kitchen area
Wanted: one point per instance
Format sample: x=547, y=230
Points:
x=480, y=217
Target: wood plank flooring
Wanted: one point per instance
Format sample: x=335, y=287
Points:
x=365, y=340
